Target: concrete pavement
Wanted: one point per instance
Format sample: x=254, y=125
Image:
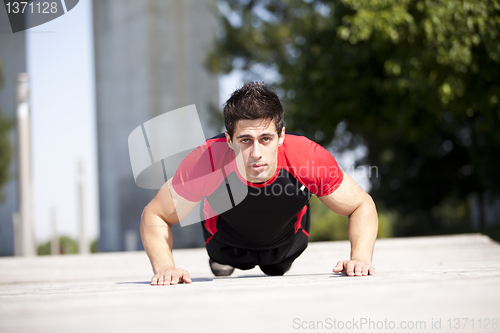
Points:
x=423, y=284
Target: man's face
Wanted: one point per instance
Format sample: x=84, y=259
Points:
x=255, y=143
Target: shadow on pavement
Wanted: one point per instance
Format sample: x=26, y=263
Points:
x=240, y=277
x=149, y=282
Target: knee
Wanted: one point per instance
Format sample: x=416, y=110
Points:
x=275, y=270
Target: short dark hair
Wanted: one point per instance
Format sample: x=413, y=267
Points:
x=253, y=101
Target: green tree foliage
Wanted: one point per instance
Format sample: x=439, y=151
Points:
x=327, y=226
x=67, y=245
x=416, y=82
x=5, y=146
x=94, y=246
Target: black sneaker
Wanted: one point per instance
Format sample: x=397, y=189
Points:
x=220, y=269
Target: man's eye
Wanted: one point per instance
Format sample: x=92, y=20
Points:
x=244, y=141
x=266, y=139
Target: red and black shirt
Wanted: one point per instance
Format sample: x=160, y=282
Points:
x=257, y=216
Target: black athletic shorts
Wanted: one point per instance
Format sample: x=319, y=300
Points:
x=272, y=262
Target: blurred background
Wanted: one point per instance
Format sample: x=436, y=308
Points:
x=405, y=94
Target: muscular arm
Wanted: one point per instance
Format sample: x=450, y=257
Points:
x=156, y=222
x=350, y=200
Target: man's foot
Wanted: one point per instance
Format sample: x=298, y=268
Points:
x=220, y=269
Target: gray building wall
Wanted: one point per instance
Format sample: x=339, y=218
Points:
x=13, y=57
x=148, y=60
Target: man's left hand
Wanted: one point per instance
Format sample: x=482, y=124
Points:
x=354, y=267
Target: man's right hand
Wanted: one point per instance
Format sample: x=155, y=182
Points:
x=157, y=220
x=170, y=276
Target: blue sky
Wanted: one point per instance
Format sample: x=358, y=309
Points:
x=61, y=68
x=60, y=64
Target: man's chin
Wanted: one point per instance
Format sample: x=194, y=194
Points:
x=257, y=177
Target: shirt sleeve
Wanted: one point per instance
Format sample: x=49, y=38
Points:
x=200, y=172
x=313, y=165
x=189, y=176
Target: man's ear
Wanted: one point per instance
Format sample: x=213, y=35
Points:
x=282, y=136
x=228, y=140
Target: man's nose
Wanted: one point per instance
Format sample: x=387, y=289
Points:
x=255, y=151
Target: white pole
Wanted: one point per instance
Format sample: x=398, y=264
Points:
x=24, y=165
x=18, y=234
x=83, y=243
x=54, y=244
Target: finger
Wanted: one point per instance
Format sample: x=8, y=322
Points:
x=154, y=280
x=186, y=278
x=350, y=268
x=338, y=267
x=343, y=266
x=160, y=280
x=358, y=268
x=175, y=278
x=371, y=271
x=364, y=272
x=167, y=278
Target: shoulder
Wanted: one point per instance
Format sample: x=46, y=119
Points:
x=300, y=147
x=199, y=171
x=207, y=157
x=311, y=164
x=295, y=138
x=218, y=137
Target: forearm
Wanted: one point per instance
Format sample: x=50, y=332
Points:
x=157, y=239
x=362, y=230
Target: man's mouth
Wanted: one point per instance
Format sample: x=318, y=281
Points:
x=257, y=166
